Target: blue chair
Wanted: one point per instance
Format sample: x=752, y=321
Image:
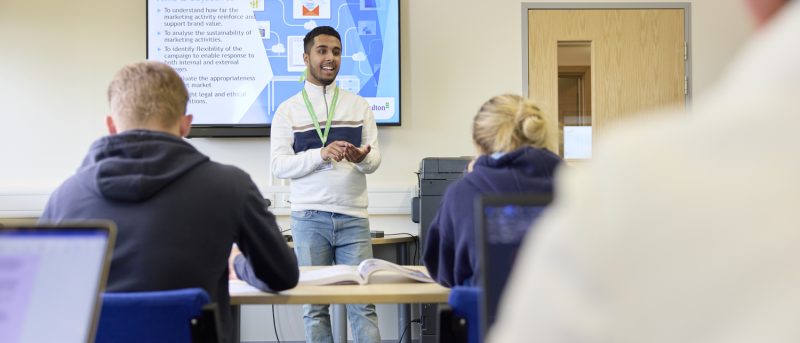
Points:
x=461, y=322
x=160, y=316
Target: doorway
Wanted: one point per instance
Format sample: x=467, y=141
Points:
x=593, y=65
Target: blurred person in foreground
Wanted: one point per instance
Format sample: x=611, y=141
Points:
x=684, y=228
x=510, y=134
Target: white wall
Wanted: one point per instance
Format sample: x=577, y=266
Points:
x=56, y=58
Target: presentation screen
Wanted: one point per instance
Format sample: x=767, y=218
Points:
x=240, y=59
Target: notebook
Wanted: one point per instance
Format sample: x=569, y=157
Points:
x=51, y=280
x=502, y=221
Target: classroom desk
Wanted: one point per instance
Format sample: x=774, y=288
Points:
x=380, y=292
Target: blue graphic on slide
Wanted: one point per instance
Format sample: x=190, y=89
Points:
x=370, y=51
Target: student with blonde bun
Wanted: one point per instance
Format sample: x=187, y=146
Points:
x=510, y=134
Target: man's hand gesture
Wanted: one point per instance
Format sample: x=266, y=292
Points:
x=336, y=151
x=357, y=155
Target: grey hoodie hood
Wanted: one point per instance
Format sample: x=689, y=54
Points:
x=135, y=165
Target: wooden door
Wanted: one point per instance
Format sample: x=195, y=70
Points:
x=637, y=60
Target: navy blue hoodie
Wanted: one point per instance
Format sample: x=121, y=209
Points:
x=177, y=215
x=450, y=251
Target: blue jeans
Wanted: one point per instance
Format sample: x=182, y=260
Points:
x=325, y=238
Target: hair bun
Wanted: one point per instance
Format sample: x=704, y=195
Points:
x=508, y=122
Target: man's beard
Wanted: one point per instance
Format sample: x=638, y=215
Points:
x=319, y=78
x=324, y=82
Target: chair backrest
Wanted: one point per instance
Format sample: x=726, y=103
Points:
x=465, y=326
x=159, y=316
x=502, y=222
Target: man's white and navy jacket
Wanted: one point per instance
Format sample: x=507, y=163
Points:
x=295, y=151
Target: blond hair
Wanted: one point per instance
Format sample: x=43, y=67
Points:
x=147, y=93
x=508, y=122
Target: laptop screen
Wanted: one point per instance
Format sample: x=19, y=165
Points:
x=51, y=278
x=502, y=223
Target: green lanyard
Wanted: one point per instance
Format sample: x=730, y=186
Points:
x=323, y=137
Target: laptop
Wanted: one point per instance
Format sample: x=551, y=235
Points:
x=501, y=221
x=51, y=280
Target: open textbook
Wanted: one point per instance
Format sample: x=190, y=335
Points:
x=341, y=274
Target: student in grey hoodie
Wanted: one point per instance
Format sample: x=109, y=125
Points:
x=177, y=212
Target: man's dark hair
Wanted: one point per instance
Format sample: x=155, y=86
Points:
x=308, y=41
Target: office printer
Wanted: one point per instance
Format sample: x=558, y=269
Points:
x=435, y=174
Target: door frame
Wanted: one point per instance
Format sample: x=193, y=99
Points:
x=687, y=32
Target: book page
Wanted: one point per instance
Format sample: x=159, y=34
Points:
x=372, y=265
x=338, y=274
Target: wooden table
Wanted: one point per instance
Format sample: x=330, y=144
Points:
x=399, y=292
x=409, y=292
